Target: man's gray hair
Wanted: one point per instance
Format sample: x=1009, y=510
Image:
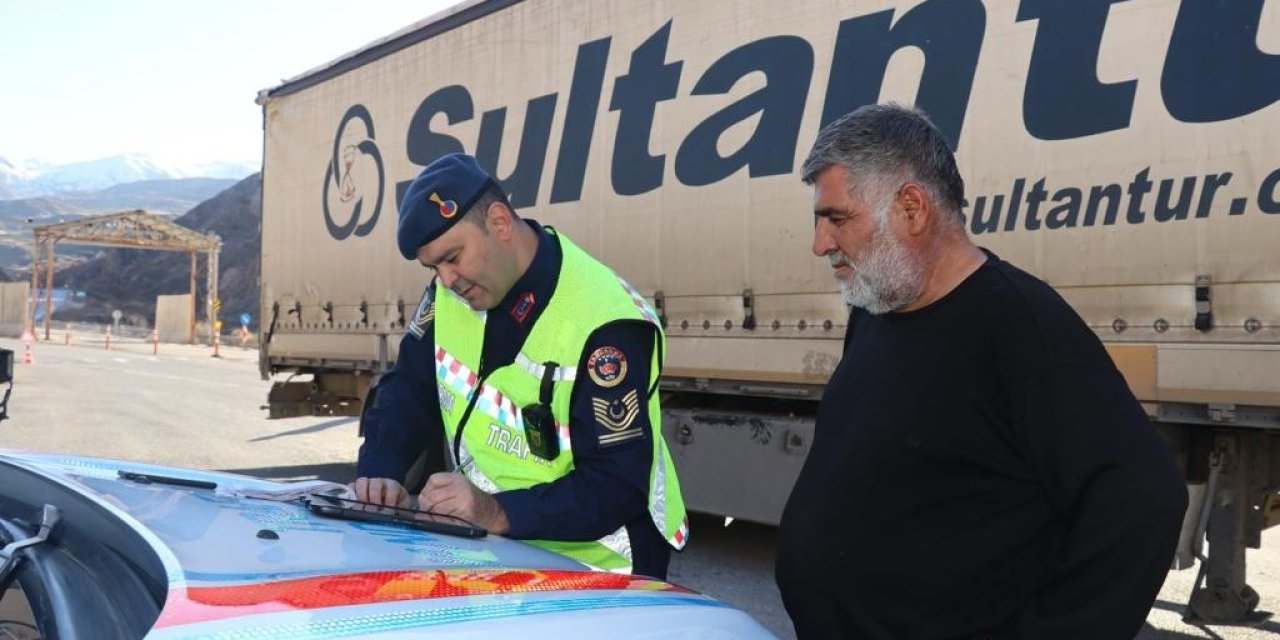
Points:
x=877, y=143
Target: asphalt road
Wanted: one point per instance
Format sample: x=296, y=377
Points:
x=184, y=407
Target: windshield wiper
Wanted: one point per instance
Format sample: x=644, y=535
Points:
x=149, y=478
x=49, y=517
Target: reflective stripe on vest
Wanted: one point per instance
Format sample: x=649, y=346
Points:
x=462, y=380
x=641, y=304
x=469, y=469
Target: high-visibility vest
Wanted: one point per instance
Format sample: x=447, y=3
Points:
x=493, y=453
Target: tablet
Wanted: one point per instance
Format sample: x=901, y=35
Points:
x=345, y=509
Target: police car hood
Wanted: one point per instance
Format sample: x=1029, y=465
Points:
x=244, y=566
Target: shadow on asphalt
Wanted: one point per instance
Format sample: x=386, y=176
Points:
x=1149, y=633
x=343, y=472
x=329, y=424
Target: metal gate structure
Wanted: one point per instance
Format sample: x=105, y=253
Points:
x=137, y=229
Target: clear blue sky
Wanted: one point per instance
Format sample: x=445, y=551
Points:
x=176, y=79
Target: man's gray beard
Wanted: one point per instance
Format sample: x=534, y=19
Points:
x=888, y=278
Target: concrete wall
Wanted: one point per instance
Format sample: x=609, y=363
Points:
x=13, y=307
x=173, y=317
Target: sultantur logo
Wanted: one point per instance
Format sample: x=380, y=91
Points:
x=343, y=174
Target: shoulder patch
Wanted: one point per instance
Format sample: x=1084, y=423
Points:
x=607, y=366
x=618, y=417
x=426, y=312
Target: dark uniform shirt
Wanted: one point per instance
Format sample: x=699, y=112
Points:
x=979, y=470
x=609, y=485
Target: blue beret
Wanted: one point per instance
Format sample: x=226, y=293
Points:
x=437, y=199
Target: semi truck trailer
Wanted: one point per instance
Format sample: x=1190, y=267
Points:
x=1124, y=151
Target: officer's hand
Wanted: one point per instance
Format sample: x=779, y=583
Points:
x=384, y=491
x=451, y=494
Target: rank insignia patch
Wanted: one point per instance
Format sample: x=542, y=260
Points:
x=617, y=416
x=607, y=366
x=424, y=315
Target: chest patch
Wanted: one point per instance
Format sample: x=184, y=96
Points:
x=523, y=306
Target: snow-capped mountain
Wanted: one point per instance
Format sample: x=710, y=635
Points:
x=100, y=174
x=5, y=190
x=30, y=179
x=11, y=175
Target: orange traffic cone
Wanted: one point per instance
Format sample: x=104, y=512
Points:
x=27, y=339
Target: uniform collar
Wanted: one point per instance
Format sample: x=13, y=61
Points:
x=531, y=292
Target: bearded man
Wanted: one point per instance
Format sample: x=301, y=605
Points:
x=980, y=468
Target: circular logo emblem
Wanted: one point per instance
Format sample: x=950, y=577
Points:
x=607, y=366
x=345, y=165
x=448, y=208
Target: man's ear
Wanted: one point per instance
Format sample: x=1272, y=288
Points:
x=498, y=220
x=917, y=209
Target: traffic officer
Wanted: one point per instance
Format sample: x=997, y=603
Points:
x=536, y=367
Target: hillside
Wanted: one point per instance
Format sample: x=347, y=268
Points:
x=173, y=196
x=165, y=197
x=130, y=279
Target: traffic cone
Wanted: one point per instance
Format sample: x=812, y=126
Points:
x=27, y=339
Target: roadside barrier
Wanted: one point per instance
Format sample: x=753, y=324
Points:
x=132, y=339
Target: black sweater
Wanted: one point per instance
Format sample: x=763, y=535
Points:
x=980, y=469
